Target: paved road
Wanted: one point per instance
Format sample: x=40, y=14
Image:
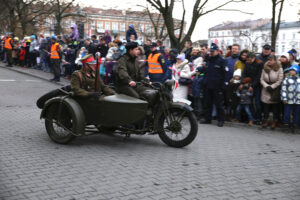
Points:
x=222, y=163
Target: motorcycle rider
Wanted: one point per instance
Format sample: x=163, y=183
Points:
x=128, y=73
x=83, y=81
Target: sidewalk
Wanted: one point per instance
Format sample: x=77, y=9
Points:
x=35, y=73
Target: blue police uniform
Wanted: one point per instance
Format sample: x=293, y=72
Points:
x=214, y=83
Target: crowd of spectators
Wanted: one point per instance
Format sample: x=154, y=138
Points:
x=238, y=85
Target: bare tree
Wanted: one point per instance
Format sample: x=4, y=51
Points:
x=276, y=19
x=62, y=9
x=199, y=9
x=26, y=13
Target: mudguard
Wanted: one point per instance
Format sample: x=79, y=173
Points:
x=182, y=106
x=74, y=108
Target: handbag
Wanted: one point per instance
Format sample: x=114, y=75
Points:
x=185, y=81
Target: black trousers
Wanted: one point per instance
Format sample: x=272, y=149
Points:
x=56, y=68
x=213, y=97
x=9, y=56
x=274, y=108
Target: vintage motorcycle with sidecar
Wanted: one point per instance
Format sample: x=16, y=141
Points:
x=67, y=116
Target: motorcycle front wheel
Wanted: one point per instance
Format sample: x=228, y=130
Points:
x=59, y=124
x=179, y=128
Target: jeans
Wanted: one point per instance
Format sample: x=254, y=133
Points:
x=295, y=109
x=246, y=107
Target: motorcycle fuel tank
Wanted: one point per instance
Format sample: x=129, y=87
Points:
x=114, y=110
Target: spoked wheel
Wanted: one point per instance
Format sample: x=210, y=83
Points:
x=59, y=124
x=179, y=129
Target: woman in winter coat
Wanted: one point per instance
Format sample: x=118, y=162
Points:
x=271, y=79
x=181, y=70
x=240, y=64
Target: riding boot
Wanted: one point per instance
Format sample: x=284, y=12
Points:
x=273, y=126
x=266, y=124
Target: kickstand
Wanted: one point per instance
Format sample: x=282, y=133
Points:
x=127, y=135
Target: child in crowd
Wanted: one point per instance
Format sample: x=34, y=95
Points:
x=197, y=93
x=245, y=92
x=232, y=98
x=290, y=95
x=22, y=56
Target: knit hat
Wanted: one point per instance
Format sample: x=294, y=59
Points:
x=246, y=80
x=181, y=57
x=33, y=37
x=292, y=53
x=237, y=72
x=295, y=68
x=53, y=37
x=198, y=69
x=285, y=55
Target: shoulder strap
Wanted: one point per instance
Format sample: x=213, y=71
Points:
x=80, y=78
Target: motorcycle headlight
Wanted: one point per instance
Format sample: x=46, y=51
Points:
x=170, y=84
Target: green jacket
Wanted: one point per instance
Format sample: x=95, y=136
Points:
x=82, y=85
x=128, y=70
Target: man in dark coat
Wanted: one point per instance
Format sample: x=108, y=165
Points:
x=89, y=45
x=253, y=69
x=213, y=84
x=266, y=52
x=102, y=48
x=128, y=73
x=188, y=49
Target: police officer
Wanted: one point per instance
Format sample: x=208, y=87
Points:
x=83, y=81
x=213, y=83
x=55, y=57
x=128, y=73
x=8, y=46
x=156, y=68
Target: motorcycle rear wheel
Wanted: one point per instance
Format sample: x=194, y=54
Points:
x=172, y=134
x=59, y=128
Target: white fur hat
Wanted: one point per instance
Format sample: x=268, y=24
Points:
x=237, y=72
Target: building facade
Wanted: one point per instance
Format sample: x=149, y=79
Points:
x=253, y=34
x=96, y=21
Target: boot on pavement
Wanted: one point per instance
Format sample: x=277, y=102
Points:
x=273, y=126
x=250, y=123
x=266, y=124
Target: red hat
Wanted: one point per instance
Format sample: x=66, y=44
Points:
x=88, y=59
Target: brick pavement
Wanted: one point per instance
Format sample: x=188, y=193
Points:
x=222, y=163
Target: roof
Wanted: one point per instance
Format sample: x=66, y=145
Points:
x=240, y=25
x=282, y=25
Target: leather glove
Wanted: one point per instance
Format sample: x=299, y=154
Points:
x=269, y=88
x=94, y=94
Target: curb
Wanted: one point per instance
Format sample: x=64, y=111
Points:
x=258, y=127
x=14, y=68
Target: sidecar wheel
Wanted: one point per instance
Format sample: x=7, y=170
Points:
x=181, y=131
x=57, y=133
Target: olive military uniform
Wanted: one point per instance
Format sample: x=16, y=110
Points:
x=82, y=84
x=128, y=70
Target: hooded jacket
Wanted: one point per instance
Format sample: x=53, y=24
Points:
x=75, y=34
x=130, y=31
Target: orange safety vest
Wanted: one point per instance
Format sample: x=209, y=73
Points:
x=154, y=67
x=7, y=43
x=54, y=51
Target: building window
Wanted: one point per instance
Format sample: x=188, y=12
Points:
x=283, y=36
x=115, y=26
x=222, y=33
x=100, y=25
x=107, y=26
x=92, y=24
x=228, y=33
x=122, y=26
x=148, y=29
x=283, y=48
x=217, y=34
x=141, y=28
x=294, y=35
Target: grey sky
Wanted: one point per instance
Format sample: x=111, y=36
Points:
x=259, y=8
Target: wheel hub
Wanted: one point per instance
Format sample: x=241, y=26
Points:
x=175, y=126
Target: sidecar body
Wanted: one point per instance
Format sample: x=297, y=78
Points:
x=112, y=111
